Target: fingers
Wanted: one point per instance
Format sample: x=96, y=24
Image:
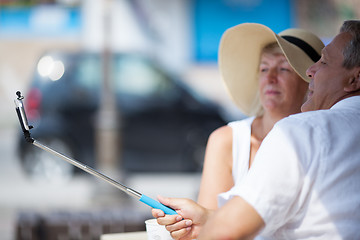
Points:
x=180, y=230
x=163, y=200
x=181, y=234
x=182, y=224
x=177, y=225
x=169, y=219
x=157, y=213
x=178, y=204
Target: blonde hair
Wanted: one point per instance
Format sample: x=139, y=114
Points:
x=272, y=48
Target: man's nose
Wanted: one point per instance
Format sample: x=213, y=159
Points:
x=310, y=71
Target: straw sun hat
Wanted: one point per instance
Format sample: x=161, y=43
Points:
x=239, y=59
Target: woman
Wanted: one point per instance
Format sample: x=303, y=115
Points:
x=265, y=75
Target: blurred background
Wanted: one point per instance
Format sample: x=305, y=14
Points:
x=128, y=87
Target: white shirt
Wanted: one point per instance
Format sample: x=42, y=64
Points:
x=305, y=179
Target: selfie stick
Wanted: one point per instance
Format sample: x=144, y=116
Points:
x=26, y=130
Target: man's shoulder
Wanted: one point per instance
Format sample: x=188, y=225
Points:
x=345, y=107
x=307, y=118
x=320, y=121
x=309, y=125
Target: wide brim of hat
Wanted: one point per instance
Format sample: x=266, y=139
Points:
x=239, y=59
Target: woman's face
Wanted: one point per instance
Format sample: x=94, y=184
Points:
x=282, y=91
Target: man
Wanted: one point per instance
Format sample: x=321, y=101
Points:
x=311, y=187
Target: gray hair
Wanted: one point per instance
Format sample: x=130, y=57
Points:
x=351, y=51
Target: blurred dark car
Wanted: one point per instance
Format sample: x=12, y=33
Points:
x=163, y=124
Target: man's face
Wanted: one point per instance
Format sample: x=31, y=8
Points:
x=328, y=76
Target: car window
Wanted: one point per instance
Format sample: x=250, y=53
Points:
x=135, y=76
x=89, y=72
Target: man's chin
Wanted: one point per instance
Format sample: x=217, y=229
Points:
x=306, y=106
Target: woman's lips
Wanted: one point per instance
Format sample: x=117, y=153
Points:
x=272, y=92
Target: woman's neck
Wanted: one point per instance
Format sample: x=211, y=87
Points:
x=260, y=127
x=269, y=120
x=263, y=124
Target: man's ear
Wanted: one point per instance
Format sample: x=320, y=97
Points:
x=353, y=83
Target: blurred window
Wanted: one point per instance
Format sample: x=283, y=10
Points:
x=89, y=72
x=134, y=76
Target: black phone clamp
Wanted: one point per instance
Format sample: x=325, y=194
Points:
x=20, y=110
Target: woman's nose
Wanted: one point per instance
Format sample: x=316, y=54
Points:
x=272, y=75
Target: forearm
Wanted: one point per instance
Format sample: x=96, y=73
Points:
x=236, y=220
